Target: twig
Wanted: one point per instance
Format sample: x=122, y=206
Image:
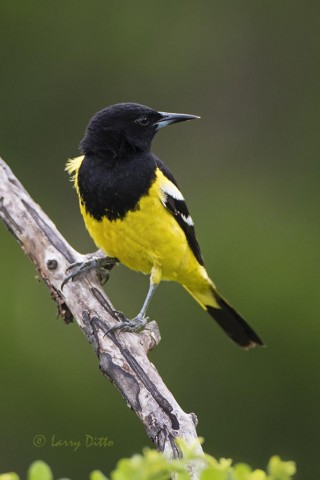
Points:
x=122, y=356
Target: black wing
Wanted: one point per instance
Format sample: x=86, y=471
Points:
x=176, y=205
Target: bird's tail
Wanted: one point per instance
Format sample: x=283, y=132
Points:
x=226, y=316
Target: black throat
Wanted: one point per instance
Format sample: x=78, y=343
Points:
x=111, y=186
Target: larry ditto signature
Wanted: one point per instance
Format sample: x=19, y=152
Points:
x=88, y=441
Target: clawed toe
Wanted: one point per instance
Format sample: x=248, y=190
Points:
x=135, y=325
x=102, y=265
x=70, y=276
x=74, y=265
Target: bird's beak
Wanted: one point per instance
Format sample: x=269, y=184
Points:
x=169, y=118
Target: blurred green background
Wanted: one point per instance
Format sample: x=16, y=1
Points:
x=250, y=172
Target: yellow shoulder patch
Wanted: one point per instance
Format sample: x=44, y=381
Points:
x=73, y=165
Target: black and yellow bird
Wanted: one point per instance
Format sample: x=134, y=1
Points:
x=136, y=213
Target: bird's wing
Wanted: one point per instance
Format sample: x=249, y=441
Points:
x=174, y=202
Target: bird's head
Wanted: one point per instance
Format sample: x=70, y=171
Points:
x=126, y=126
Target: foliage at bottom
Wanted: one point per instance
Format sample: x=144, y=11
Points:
x=152, y=465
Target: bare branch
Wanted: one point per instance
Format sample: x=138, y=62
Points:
x=122, y=356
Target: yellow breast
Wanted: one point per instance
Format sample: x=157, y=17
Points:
x=146, y=237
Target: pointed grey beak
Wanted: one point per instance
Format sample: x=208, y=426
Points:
x=169, y=118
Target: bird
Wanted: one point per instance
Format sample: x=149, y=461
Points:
x=136, y=214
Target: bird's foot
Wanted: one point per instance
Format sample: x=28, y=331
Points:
x=102, y=265
x=135, y=325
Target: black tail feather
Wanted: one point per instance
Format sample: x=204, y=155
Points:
x=233, y=324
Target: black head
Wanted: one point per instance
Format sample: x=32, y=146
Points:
x=126, y=126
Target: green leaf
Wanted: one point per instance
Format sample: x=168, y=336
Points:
x=258, y=475
x=242, y=471
x=151, y=465
x=211, y=473
x=9, y=476
x=39, y=471
x=280, y=470
x=97, y=475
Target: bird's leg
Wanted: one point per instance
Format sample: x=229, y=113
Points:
x=102, y=265
x=140, y=321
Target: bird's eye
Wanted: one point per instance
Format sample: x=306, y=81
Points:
x=143, y=120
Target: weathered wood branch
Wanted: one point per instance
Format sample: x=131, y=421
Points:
x=122, y=356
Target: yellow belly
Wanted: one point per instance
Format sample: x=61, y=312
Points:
x=148, y=237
